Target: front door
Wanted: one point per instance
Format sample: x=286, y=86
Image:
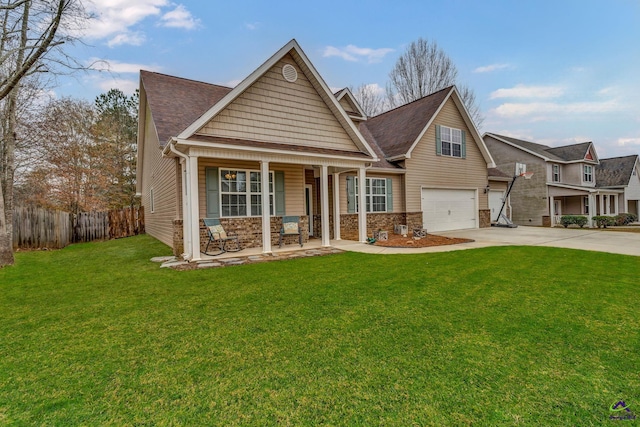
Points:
x=308, y=206
x=557, y=208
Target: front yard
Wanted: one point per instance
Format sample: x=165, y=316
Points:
x=95, y=334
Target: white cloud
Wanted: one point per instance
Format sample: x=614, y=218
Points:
x=490, y=68
x=127, y=86
x=132, y=38
x=375, y=89
x=252, y=25
x=628, y=141
x=233, y=83
x=180, y=17
x=354, y=53
x=523, y=91
x=113, y=17
x=541, y=110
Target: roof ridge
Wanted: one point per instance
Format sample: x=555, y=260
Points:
x=412, y=102
x=574, y=144
x=620, y=157
x=185, y=79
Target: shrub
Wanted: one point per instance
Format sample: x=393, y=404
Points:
x=579, y=220
x=625, y=218
x=604, y=221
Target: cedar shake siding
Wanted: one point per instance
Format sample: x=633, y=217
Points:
x=275, y=110
x=427, y=169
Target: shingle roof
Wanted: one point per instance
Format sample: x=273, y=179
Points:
x=565, y=153
x=382, y=163
x=615, y=171
x=175, y=103
x=396, y=130
x=571, y=152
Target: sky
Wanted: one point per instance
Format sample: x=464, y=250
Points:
x=553, y=72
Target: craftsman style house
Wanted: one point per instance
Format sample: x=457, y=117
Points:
x=281, y=143
x=567, y=180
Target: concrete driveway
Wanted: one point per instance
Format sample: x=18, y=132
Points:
x=617, y=242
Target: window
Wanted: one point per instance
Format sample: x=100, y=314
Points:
x=451, y=140
x=588, y=173
x=556, y=173
x=240, y=193
x=586, y=206
x=375, y=194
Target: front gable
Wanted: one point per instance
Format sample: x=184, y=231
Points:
x=283, y=102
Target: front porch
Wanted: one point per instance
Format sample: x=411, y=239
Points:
x=588, y=202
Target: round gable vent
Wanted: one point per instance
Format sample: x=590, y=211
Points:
x=289, y=73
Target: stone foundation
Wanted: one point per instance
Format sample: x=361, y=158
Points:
x=377, y=221
x=485, y=218
x=248, y=230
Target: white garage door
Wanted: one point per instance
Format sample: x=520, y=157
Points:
x=495, y=203
x=444, y=210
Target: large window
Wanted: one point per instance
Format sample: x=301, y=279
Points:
x=451, y=141
x=588, y=173
x=375, y=194
x=240, y=193
x=586, y=205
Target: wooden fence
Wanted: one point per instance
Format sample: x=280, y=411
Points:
x=35, y=228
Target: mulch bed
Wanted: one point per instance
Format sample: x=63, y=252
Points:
x=397, y=241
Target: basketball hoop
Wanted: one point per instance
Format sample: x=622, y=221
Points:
x=526, y=175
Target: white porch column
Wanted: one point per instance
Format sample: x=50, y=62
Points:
x=552, y=211
x=591, y=211
x=186, y=213
x=266, y=212
x=324, y=204
x=615, y=204
x=607, y=204
x=362, y=208
x=336, y=206
x=195, y=208
x=601, y=211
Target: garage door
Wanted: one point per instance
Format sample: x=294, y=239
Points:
x=444, y=210
x=495, y=203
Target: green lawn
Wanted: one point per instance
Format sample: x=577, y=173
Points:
x=95, y=334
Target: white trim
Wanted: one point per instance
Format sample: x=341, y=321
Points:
x=347, y=92
x=336, y=206
x=362, y=213
x=266, y=213
x=309, y=187
x=324, y=204
x=293, y=45
x=195, y=208
x=246, y=148
x=470, y=125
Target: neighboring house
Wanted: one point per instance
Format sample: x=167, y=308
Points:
x=622, y=173
x=564, y=180
x=203, y=150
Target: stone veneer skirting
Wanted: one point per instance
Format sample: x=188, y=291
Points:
x=249, y=230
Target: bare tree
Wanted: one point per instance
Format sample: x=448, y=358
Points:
x=30, y=36
x=370, y=99
x=424, y=68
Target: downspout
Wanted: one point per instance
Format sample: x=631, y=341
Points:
x=186, y=206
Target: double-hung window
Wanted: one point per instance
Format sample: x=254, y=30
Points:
x=375, y=194
x=556, y=173
x=451, y=140
x=588, y=173
x=241, y=193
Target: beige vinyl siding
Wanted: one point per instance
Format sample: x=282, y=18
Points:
x=426, y=169
x=160, y=174
x=398, y=200
x=348, y=106
x=275, y=110
x=293, y=182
